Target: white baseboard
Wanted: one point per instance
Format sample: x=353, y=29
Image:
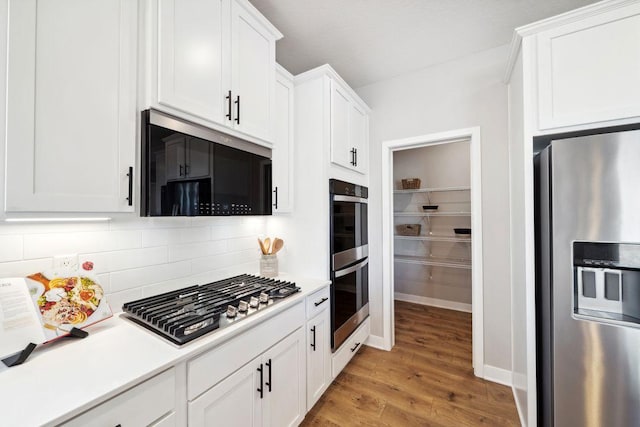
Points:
x=434, y=302
x=376, y=341
x=498, y=375
x=521, y=414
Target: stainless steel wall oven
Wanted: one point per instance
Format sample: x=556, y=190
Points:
x=349, y=259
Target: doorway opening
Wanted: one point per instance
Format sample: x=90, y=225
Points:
x=429, y=255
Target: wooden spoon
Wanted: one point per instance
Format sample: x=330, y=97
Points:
x=277, y=245
x=267, y=246
x=261, y=244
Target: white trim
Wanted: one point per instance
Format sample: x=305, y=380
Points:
x=521, y=415
x=433, y=302
x=556, y=21
x=498, y=375
x=388, y=147
x=375, y=341
x=327, y=70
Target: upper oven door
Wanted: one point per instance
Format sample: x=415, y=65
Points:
x=349, y=231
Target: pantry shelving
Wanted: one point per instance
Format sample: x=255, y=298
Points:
x=434, y=261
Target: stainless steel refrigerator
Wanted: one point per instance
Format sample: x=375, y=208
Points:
x=588, y=281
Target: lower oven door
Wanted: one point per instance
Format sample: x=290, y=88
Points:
x=350, y=300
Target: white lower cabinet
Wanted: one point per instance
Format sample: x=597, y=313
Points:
x=350, y=347
x=318, y=356
x=150, y=403
x=267, y=391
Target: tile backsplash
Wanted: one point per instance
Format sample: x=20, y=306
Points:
x=138, y=257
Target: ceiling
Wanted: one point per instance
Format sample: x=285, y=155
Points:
x=371, y=40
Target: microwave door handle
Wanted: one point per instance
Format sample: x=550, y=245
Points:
x=351, y=269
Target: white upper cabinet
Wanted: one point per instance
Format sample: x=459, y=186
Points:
x=349, y=130
x=216, y=63
x=282, y=152
x=71, y=105
x=253, y=64
x=589, y=69
x=193, y=37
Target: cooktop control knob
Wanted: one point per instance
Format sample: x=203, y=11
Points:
x=264, y=298
x=243, y=306
x=231, y=312
x=254, y=302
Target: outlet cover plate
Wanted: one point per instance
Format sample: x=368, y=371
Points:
x=64, y=262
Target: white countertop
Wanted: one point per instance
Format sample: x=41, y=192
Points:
x=67, y=377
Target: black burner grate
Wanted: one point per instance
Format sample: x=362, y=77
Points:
x=186, y=314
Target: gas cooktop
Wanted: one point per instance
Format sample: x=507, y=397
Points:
x=186, y=314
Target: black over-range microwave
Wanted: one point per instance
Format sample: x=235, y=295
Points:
x=191, y=170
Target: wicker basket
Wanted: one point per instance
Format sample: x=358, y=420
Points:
x=411, y=183
x=408, y=229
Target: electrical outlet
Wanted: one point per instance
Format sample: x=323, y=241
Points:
x=65, y=262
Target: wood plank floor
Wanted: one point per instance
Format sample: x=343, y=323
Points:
x=426, y=380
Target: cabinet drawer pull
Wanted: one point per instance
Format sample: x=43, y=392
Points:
x=181, y=169
x=355, y=347
x=237, y=102
x=275, y=191
x=317, y=303
x=228, y=98
x=355, y=157
x=261, y=388
x=313, y=343
x=268, y=384
x=130, y=197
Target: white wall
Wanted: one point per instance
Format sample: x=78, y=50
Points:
x=137, y=257
x=460, y=94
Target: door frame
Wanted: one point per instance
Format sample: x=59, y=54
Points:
x=388, y=147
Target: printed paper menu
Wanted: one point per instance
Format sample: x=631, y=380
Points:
x=45, y=306
x=19, y=322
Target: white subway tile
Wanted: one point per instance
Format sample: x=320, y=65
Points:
x=24, y=268
x=127, y=279
x=11, y=248
x=196, y=250
x=201, y=265
x=117, y=299
x=243, y=243
x=168, y=236
x=123, y=260
x=50, y=244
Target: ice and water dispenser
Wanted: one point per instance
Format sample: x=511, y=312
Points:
x=607, y=282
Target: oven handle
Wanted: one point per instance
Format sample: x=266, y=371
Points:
x=351, y=269
x=341, y=198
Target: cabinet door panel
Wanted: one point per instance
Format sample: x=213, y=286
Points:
x=340, y=144
x=282, y=153
x=234, y=401
x=589, y=71
x=253, y=71
x=358, y=131
x=286, y=397
x=318, y=357
x=199, y=159
x=71, y=105
x=193, y=43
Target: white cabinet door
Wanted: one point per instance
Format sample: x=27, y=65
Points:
x=193, y=47
x=234, y=401
x=282, y=152
x=589, y=70
x=71, y=105
x=341, y=149
x=198, y=165
x=285, y=382
x=253, y=74
x=318, y=356
x=175, y=150
x=358, y=137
